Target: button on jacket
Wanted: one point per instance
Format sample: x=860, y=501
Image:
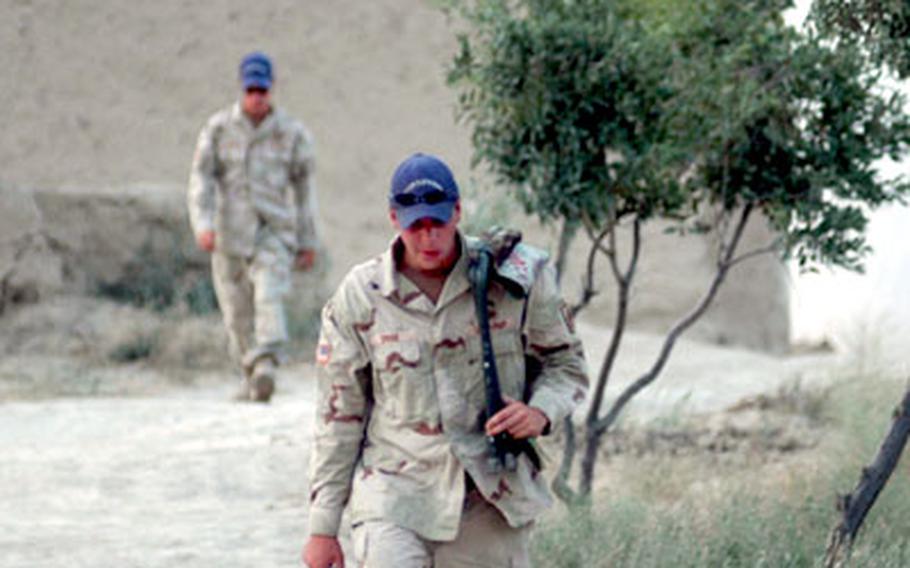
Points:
x=399, y=420
x=241, y=177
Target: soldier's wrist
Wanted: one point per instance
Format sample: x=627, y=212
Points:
x=546, y=427
x=324, y=522
x=550, y=406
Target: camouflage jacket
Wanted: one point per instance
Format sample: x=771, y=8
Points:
x=241, y=177
x=401, y=393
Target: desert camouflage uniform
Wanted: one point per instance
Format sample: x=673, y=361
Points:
x=401, y=394
x=254, y=187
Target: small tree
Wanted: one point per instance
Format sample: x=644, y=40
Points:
x=602, y=114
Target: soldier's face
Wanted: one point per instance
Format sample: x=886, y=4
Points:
x=429, y=245
x=256, y=102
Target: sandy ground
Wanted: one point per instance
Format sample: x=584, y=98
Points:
x=188, y=479
x=185, y=477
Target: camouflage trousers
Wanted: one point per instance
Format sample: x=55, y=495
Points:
x=251, y=294
x=485, y=540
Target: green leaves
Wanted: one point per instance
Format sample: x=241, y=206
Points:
x=880, y=27
x=659, y=108
x=566, y=104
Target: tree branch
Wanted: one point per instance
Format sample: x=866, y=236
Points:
x=560, y=484
x=614, y=262
x=773, y=246
x=622, y=309
x=681, y=326
x=636, y=250
x=587, y=289
x=588, y=224
x=592, y=438
x=566, y=236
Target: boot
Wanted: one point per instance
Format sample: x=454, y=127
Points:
x=262, y=381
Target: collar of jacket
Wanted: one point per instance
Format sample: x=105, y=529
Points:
x=518, y=271
x=390, y=284
x=265, y=127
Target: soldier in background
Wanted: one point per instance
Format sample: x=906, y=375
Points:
x=252, y=205
x=401, y=432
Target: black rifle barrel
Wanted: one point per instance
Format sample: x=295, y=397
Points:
x=504, y=447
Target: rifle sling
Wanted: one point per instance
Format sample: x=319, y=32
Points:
x=505, y=448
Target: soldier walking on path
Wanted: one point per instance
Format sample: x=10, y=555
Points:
x=252, y=205
x=404, y=436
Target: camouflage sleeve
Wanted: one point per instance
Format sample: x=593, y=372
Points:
x=563, y=381
x=201, y=193
x=302, y=170
x=341, y=415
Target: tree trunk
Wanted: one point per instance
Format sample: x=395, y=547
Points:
x=566, y=236
x=592, y=438
x=856, y=505
x=623, y=283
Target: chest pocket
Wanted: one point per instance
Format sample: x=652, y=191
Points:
x=274, y=159
x=403, y=381
x=231, y=151
x=231, y=163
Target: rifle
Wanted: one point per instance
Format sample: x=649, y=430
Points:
x=504, y=448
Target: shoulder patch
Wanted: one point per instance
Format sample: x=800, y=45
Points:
x=515, y=262
x=323, y=354
x=522, y=265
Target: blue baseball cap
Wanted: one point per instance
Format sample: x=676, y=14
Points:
x=256, y=71
x=423, y=186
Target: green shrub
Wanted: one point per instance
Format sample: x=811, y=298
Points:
x=135, y=349
x=746, y=523
x=147, y=281
x=200, y=298
x=158, y=282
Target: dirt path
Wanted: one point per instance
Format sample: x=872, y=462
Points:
x=189, y=479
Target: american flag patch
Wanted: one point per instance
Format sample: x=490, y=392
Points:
x=323, y=354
